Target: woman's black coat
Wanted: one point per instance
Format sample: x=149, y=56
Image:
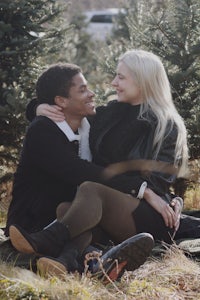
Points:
x=136, y=136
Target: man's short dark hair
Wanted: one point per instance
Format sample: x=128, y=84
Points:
x=55, y=81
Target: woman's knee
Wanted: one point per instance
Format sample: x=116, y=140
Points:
x=61, y=209
x=89, y=188
x=88, y=193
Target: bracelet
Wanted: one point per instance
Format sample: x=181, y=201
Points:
x=180, y=200
x=143, y=186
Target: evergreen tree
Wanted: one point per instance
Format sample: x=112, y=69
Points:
x=83, y=47
x=30, y=31
x=86, y=52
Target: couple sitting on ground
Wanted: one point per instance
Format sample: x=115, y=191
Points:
x=94, y=203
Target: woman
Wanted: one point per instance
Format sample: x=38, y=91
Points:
x=143, y=124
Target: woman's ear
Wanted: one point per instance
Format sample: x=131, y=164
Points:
x=61, y=101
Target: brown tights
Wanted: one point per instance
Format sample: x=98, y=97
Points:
x=80, y=242
x=96, y=204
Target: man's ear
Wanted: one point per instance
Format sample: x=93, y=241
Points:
x=61, y=101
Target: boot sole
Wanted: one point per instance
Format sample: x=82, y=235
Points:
x=129, y=256
x=115, y=272
x=48, y=267
x=135, y=254
x=19, y=242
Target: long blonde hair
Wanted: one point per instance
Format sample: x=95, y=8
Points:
x=151, y=76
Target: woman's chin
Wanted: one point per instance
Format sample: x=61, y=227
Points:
x=121, y=100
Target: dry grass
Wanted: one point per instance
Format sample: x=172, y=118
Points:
x=174, y=276
x=192, y=195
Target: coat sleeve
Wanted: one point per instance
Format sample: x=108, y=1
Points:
x=31, y=109
x=160, y=182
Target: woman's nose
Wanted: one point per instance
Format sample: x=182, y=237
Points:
x=114, y=82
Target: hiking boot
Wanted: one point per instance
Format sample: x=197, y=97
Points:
x=128, y=255
x=49, y=241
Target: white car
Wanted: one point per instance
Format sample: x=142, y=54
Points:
x=101, y=22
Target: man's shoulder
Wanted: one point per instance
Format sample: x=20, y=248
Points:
x=42, y=126
x=44, y=131
x=41, y=122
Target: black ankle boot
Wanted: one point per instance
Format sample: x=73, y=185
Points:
x=66, y=262
x=49, y=241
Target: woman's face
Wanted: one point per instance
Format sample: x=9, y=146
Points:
x=126, y=86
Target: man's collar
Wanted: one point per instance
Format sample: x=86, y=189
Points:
x=66, y=129
x=82, y=137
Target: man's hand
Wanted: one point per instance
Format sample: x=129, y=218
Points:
x=53, y=112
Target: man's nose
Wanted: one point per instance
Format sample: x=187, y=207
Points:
x=91, y=93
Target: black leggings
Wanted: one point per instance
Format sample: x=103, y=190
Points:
x=117, y=213
x=147, y=219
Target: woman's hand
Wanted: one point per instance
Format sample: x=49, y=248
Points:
x=53, y=112
x=167, y=212
x=177, y=205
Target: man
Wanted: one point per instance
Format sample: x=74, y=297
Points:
x=55, y=157
x=55, y=161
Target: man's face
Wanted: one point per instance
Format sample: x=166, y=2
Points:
x=80, y=99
